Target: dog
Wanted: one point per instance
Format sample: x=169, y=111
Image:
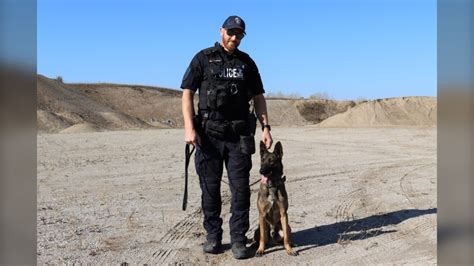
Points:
x=272, y=201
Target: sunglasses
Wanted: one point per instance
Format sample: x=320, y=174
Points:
x=238, y=35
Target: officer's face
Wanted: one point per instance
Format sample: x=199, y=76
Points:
x=230, y=42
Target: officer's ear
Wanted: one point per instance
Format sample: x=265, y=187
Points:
x=222, y=31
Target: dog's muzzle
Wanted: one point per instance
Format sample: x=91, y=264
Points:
x=266, y=171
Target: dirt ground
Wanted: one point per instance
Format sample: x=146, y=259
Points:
x=357, y=196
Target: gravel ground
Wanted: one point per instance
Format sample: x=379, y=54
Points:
x=357, y=196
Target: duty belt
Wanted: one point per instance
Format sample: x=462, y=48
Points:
x=222, y=129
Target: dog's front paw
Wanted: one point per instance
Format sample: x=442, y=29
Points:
x=291, y=252
x=259, y=252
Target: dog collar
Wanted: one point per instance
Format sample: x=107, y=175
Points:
x=264, y=180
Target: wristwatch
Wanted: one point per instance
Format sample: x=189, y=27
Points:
x=267, y=126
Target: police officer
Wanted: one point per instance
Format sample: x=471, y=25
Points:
x=223, y=130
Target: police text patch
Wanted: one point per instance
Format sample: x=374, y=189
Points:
x=231, y=73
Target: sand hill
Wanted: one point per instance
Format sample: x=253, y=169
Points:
x=73, y=108
x=406, y=111
x=94, y=107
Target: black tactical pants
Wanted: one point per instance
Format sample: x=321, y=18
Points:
x=210, y=159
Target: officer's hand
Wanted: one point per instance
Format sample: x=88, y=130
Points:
x=267, y=138
x=191, y=137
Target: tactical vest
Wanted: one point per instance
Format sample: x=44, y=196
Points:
x=224, y=92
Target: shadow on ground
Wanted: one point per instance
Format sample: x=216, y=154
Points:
x=358, y=229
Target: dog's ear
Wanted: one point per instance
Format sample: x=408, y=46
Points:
x=263, y=148
x=278, y=151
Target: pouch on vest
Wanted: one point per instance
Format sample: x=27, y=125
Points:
x=216, y=129
x=238, y=126
x=222, y=97
x=217, y=98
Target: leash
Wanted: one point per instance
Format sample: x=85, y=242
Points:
x=251, y=184
x=186, y=164
x=258, y=181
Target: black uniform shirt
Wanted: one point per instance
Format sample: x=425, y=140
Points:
x=196, y=72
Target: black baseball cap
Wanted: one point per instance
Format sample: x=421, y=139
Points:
x=234, y=22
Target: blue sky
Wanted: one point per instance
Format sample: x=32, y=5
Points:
x=347, y=49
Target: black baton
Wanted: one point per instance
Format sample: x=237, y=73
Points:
x=186, y=164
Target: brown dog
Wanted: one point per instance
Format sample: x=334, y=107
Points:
x=272, y=202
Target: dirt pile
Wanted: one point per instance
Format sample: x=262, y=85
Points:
x=75, y=108
x=316, y=111
x=284, y=112
x=72, y=108
x=405, y=111
x=158, y=107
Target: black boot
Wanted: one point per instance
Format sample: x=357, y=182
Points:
x=212, y=246
x=240, y=251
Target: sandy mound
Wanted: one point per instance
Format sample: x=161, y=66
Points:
x=284, y=113
x=157, y=107
x=318, y=110
x=81, y=128
x=406, y=111
x=62, y=105
x=48, y=122
x=127, y=107
x=292, y=112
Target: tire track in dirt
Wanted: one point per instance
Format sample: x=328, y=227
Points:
x=173, y=240
x=349, y=203
x=366, y=177
x=406, y=184
x=422, y=226
x=345, y=219
x=356, y=199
